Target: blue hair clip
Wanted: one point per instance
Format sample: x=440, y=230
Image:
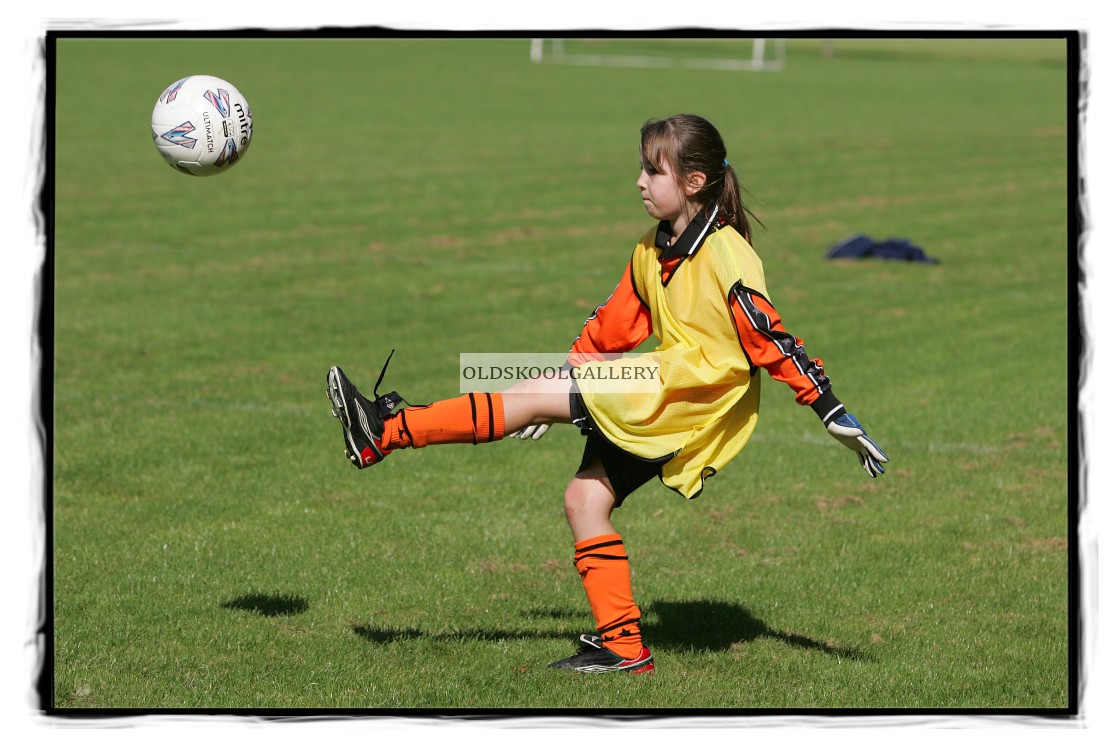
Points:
x=726, y=165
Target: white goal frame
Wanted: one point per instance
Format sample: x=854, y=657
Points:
x=757, y=62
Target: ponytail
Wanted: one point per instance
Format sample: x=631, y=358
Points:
x=729, y=199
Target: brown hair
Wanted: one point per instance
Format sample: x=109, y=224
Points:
x=688, y=143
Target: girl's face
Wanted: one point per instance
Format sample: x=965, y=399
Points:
x=663, y=197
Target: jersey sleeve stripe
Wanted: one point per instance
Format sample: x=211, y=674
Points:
x=770, y=330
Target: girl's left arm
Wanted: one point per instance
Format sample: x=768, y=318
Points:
x=768, y=344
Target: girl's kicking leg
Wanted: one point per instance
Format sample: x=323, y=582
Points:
x=371, y=429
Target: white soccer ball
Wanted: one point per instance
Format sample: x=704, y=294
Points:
x=202, y=125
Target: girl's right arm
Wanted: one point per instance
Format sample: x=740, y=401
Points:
x=618, y=325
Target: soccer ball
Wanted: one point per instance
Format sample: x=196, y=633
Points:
x=202, y=125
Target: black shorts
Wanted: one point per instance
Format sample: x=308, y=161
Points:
x=625, y=471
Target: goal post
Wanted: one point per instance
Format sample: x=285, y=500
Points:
x=752, y=55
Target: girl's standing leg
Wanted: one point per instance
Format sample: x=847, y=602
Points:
x=600, y=558
x=481, y=417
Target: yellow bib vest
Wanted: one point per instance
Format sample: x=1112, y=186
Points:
x=707, y=405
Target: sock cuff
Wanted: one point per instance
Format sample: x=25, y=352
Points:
x=498, y=416
x=604, y=540
x=596, y=551
x=488, y=416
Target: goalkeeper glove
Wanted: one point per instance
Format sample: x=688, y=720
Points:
x=531, y=431
x=847, y=430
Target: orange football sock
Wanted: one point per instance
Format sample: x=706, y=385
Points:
x=475, y=418
x=605, y=571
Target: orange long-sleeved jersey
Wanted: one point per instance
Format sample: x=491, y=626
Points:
x=623, y=322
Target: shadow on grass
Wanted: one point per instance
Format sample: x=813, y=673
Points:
x=669, y=625
x=718, y=626
x=268, y=605
x=388, y=635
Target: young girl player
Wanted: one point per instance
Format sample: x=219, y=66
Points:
x=696, y=285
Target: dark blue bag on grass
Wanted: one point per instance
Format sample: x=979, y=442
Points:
x=861, y=246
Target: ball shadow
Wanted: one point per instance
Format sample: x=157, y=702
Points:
x=268, y=605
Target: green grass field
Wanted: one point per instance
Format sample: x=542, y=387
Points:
x=212, y=548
